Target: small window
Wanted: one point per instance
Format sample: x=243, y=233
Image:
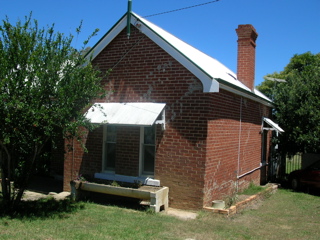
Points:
x=110, y=148
x=148, y=150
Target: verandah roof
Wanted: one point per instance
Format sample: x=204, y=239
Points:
x=137, y=113
x=274, y=125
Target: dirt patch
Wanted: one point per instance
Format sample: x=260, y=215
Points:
x=254, y=204
x=242, y=197
x=184, y=215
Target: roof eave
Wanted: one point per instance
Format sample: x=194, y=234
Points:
x=244, y=93
x=107, y=38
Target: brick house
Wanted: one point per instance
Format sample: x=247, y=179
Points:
x=175, y=117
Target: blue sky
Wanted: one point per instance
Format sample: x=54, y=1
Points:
x=285, y=27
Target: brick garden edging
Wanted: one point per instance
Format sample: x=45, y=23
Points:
x=245, y=203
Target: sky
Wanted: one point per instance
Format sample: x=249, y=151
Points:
x=284, y=27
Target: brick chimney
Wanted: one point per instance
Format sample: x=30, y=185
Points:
x=247, y=36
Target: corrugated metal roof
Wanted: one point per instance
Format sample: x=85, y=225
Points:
x=273, y=124
x=143, y=114
x=209, y=65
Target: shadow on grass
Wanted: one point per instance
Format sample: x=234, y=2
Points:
x=42, y=208
x=303, y=189
x=310, y=191
x=113, y=200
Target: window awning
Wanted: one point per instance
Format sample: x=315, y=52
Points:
x=274, y=126
x=142, y=114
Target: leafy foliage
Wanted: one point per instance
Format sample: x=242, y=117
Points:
x=268, y=87
x=298, y=104
x=45, y=85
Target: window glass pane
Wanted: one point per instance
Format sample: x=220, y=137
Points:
x=148, y=150
x=148, y=154
x=149, y=135
x=110, y=148
x=110, y=155
x=111, y=134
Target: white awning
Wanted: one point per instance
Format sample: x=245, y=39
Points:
x=274, y=126
x=142, y=114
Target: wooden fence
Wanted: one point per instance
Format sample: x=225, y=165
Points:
x=293, y=163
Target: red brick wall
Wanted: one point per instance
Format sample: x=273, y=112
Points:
x=234, y=144
x=195, y=122
x=91, y=160
x=79, y=162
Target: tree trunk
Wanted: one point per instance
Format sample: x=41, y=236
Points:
x=5, y=177
x=12, y=197
x=27, y=172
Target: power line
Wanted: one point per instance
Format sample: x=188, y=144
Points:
x=180, y=9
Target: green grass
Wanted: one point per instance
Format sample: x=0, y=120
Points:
x=252, y=189
x=285, y=215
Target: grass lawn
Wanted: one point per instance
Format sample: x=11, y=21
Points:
x=285, y=215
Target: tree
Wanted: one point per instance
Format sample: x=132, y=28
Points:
x=45, y=85
x=268, y=86
x=297, y=104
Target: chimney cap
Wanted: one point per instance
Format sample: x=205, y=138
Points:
x=245, y=31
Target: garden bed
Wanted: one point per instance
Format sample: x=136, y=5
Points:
x=244, y=201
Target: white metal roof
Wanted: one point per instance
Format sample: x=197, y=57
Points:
x=210, y=71
x=209, y=65
x=138, y=113
x=260, y=94
x=274, y=125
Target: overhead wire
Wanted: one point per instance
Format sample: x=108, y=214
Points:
x=126, y=53
x=156, y=14
x=180, y=9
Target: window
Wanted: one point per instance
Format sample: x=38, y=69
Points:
x=110, y=148
x=148, y=149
